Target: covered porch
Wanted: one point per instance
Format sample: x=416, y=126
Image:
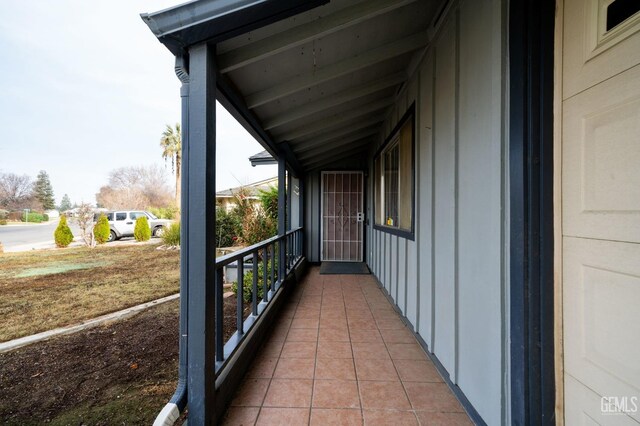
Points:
x=405, y=140
x=339, y=353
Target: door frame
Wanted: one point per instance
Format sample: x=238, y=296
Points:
x=531, y=33
x=362, y=199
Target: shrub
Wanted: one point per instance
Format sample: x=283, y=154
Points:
x=142, y=232
x=164, y=212
x=33, y=217
x=45, y=217
x=258, y=227
x=228, y=227
x=269, y=202
x=3, y=221
x=247, y=292
x=4, y=214
x=63, y=235
x=171, y=235
x=101, y=229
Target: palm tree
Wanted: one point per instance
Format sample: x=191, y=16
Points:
x=171, y=143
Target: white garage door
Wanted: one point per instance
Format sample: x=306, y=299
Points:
x=601, y=211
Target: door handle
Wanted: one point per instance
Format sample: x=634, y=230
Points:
x=129, y=223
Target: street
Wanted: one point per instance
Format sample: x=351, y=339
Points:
x=27, y=237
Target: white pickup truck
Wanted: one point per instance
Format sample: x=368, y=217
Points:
x=122, y=223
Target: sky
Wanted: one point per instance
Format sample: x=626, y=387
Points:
x=86, y=88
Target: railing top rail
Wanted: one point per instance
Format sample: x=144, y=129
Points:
x=237, y=255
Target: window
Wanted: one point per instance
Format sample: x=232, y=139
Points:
x=135, y=215
x=121, y=216
x=394, y=180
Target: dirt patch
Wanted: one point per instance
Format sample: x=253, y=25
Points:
x=121, y=373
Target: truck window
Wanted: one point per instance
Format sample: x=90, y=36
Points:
x=121, y=216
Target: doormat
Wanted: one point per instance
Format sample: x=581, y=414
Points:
x=348, y=268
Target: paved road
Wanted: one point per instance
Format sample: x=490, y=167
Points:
x=26, y=237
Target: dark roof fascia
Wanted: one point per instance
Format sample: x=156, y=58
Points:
x=217, y=20
x=263, y=161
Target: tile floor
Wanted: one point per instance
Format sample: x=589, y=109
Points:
x=340, y=355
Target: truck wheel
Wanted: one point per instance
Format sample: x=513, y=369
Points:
x=112, y=236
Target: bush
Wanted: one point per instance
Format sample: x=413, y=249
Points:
x=3, y=221
x=247, y=292
x=4, y=214
x=63, y=235
x=269, y=202
x=33, y=217
x=228, y=227
x=101, y=229
x=45, y=217
x=258, y=227
x=171, y=235
x=164, y=212
x=142, y=232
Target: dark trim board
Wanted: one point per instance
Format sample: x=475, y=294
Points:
x=468, y=407
x=531, y=54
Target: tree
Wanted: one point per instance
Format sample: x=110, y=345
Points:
x=63, y=235
x=65, y=204
x=171, y=143
x=16, y=192
x=43, y=191
x=135, y=188
x=84, y=220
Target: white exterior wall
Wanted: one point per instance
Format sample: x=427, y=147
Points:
x=450, y=282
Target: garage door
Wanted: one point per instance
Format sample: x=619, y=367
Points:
x=601, y=211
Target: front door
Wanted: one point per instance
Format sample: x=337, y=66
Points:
x=601, y=211
x=342, y=216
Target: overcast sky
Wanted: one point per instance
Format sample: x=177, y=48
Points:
x=86, y=88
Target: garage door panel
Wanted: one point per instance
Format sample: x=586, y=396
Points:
x=602, y=315
x=591, y=53
x=601, y=152
x=583, y=407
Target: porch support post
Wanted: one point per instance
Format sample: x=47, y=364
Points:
x=199, y=232
x=282, y=215
x=531, y=52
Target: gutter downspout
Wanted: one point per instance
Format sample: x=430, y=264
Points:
x=171, y=412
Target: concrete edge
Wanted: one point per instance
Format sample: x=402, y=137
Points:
x=92, y=323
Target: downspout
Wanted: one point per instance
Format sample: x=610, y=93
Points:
x=171, y=412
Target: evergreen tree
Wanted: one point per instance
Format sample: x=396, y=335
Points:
x=44, y=191
x=65, y=204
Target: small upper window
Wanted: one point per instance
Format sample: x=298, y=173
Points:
x=394, y=180
x=121, y=216
x=135, y=215
x=110, y=217
x=621, y=10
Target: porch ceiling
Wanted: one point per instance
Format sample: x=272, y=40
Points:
x=321, y=83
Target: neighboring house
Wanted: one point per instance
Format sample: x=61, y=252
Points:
x=227, y=198
x=480, y=156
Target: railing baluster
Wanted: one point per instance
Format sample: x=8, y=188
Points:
x=265, y=274
x=219, y=315
x=273, y=266
x=240, y=298
x=254, y=293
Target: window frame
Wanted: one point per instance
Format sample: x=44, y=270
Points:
x=408, y=117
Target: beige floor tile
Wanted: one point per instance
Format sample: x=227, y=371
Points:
x=342, y=417
x=389, y=417
x=432, y=397
x=335, y=368
x=376, y=369
x=294, y=368
x=283, y=416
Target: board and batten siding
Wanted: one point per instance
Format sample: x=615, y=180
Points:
x=450, y=281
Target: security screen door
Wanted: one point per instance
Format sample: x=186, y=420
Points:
x=342, y=216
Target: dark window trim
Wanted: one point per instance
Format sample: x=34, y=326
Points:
x=531, y=57
x=410, y=114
